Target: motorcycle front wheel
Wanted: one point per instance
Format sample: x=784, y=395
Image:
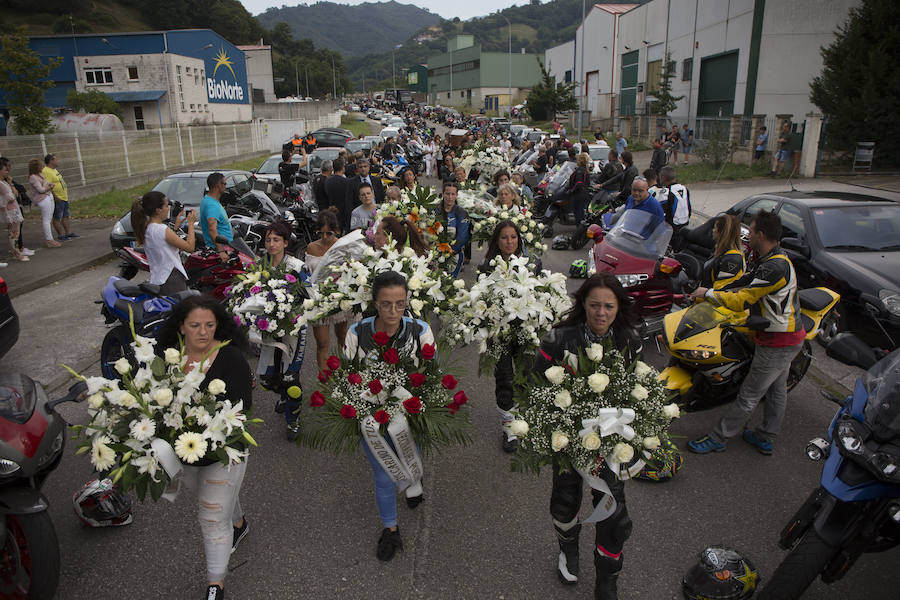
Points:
x=799, y=568
x=116, y=345
x=799, y=366
x=30, y=558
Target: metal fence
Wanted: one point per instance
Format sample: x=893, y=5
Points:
x=708, y=127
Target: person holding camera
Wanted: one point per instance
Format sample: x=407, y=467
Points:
x=161, y=243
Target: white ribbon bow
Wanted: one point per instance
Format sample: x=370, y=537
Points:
x=609, y=421
x=167, y=458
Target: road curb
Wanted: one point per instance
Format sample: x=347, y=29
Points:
x=68, y=271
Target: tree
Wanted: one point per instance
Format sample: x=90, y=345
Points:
x=665, y=101
x=860, y=81
x=92, y=101
x=548, y=97
x=24, y=78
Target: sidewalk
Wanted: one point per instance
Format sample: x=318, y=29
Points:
x=52, y=264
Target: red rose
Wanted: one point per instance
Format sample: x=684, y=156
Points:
x=354, y=378
x=428, y=351
x=449, y=382
x=348, y=412
x=333, y=363
x=324, y=375
x=453, y=406
x=460, y=398
x=382, y=416
x=417, y=379
x=391, y=356
x=413, y=405
x=381, y=338
x=317, y=399
x=375, y=386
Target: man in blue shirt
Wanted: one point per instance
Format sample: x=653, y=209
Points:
x=621, y=142
x=761, y=141
x=213, y=218
x=640, y=199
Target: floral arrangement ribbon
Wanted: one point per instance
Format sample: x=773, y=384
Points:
x=287, y=344
x=405, y=465
x=167, y=458
x=609, y=421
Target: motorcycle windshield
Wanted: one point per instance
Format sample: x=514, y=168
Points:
x=698, y=318
x=560, y=179
x=640, y=234
x=18, y=395
x=882, y=383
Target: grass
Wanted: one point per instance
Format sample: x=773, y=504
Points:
x=359, y=128
x=705, y=172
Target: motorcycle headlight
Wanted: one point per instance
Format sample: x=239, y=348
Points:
x=850, y=440
x=887, y=464
x=631, y=279
x=119, y=229
x=891, y=301
x=698, y=354
x=8, y=467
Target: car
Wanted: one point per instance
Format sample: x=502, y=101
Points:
x=375, y=139
x=389, y=132
x=849, y=243
x=599, y=153
x=318, y=156
x=332, y=137
x=188, y=190
x=9, y=321
x=354, y=108
x=562, y=156
x=501, y=123
x=362, y=145
x=535, y=135
x=397, y=122
x=268, y=170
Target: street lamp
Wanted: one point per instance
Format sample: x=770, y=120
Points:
x=509, y=73
x=582, y=82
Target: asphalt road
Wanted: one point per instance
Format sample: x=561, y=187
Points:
x=483, y=532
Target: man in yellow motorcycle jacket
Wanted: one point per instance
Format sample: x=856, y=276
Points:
x=768, y=290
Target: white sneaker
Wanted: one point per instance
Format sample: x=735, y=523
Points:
x=27, y=251
x=3, y=264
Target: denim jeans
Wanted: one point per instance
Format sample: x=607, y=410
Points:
x=767, y=377
x=385, y=490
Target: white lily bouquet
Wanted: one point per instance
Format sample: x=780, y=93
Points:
x=266, y=300
x=486, y=160
x=144, y=426
x=477, y=202
x=509, y=309
x=591, y=410
x=529, y=229
x=349, y=288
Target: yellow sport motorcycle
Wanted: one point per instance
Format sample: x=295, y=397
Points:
x=712, y=348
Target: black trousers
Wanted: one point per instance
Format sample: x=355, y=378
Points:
x=503, y=381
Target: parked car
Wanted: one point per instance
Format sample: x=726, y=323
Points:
x=389, y=132
x=9, y=321
x=332, y=137
x=849, y=243
x=363, y=145
x=318, y=156
x=187, y=189
x=599, y=153
x=501, y=123
x=268, y=170
x=375, y=139
x=535, y=135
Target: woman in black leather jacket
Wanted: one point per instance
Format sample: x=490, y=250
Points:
x=600, y=311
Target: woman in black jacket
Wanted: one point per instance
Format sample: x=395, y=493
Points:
x=600, y=311
x=621, y=183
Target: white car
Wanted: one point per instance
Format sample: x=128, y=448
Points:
x=389, y=132
x=599, y=153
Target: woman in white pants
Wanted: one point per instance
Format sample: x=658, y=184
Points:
x=41, y=191
x=430, y=160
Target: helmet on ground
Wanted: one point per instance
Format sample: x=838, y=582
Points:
x=663, y=464
x=579, y=269
x=100, y=503
x=721, y=574
x=561, y=242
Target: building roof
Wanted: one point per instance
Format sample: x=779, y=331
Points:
x=144, y=96
x=254, y=47
x=616, y=9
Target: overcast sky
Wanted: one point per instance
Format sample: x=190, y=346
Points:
x=464, y=9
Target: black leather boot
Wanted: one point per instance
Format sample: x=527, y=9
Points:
x=607, y=574
x=567, y=567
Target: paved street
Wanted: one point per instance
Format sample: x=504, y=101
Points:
x=483, y=532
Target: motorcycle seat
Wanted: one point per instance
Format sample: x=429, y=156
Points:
x=150, y=288
x=137, y=309
x=126, y=288
x=814, y=299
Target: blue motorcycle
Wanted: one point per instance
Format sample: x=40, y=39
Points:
x=856, y=509
x=124, y=302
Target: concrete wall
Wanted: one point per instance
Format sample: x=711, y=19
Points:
x=259, y=70
x=597, y=35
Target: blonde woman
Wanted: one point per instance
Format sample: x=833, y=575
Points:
x=508, y=196
x=727, y=264
x=42, y=192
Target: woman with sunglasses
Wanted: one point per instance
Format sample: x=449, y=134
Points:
x=328, y=230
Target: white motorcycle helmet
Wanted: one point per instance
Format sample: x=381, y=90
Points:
x=100, y=503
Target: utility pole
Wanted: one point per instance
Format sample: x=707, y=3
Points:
x=508, y=74
x=306, y=72
x=451, y=73
x=393, y=70
x=333, y=79
x=297, y=77
x=582, y=82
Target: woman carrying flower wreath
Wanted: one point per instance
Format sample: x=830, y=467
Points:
x=407, y=336
x=402, y=232
x=408, y=180
x=505, y=243
x=202, y=323
x=600, y=311
x=456, y=220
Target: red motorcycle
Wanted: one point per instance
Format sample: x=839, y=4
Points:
x=634, y=251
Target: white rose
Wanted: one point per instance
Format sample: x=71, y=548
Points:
x=126, y=400
x=563, y=399
x=122, y=366
x=518, y=428
x=595, y=352
x=591, y=441
x=308, y=304
x=671, y=411
x=162, y=396
x=623, y=452
x=346, y=305
x=416, y=305
x=641, y=369
x=651, y=443
x=414, y=283
x=95, y=401
x=558, y=441
x=639, y=393
x=173, y=356
x=555, y=375
x=459, y=284
x=408, y=252
x=598, y=382
x=216, y=387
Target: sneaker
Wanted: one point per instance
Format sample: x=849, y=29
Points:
x=763, y=445
x=215, y=592
x=388, y=544
x=293, y=431
x=3, y=264
x=239, y=534
x=510, y=444
x=27, y=251
x=705, y=445
x=62, y=238
x=72, y=235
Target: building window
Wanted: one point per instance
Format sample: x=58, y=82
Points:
x=133, y=74
x=196, y=79
x=568, y=76
x=98, y=76
x=687, y=66
x=182, y=107
x=192, y=108
x=206, y=108
x=178, y=69
x=654, y=73
x=462, y=94
x=138, y=118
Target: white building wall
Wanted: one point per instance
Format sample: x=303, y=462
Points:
x=560, y=59
x=259, y=71
x=598, y=32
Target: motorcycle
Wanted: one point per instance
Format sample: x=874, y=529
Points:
x=601, y=203
x=712, y=348
x=634, y=251
x=856, y=507
x=31, y=447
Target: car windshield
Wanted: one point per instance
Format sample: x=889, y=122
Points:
x=598, y=153
x=859, y=227
x=186, y=190
x=322, y=154
x=270, y=167
x=698, y=318
x=640, y=234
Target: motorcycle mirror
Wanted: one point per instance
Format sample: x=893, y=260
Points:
x=850, y=350
x=77, y=393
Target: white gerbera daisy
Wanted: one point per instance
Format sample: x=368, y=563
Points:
x=190, y=447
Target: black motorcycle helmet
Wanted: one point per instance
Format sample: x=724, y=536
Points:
x=721, y=574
